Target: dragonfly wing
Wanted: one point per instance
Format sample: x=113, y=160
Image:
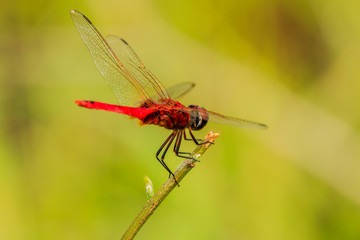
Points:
x=180, y=90
x=137, y=69
x=126, y=88
x=176, y=92
x=236, y=122
x=232, y=121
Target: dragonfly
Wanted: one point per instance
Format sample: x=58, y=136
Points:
x=141, y=95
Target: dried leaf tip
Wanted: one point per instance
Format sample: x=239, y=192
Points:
x=210, y=138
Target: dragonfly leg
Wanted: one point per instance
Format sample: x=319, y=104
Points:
x=177, y=141
x=190, y=139
x=177, y=147
x=167, y=144
x=196, y=140
x=161, y=148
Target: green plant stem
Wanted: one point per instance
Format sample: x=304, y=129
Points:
x=169, y=185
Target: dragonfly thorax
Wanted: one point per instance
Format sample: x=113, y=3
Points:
x=198, y=117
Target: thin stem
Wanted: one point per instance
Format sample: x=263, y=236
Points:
x=169, y=185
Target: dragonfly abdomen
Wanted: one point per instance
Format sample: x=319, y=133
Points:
x=139, y=113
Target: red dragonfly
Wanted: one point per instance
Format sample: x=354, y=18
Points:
x=141, y=95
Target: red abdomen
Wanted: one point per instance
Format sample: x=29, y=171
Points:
x=162, y=115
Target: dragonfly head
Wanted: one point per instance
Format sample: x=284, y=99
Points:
x=198, y=117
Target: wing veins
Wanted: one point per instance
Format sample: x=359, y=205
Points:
x=104, y=56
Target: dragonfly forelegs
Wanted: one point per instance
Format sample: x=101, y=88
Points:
x=191, y=139
x=196, y=140
x=177, y=147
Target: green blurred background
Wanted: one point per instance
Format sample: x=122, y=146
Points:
x=72, y=173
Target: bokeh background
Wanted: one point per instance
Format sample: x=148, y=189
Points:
x=72, y=173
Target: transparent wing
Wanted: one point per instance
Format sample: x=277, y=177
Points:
x=122, y=82
x=137, y=69
x=176, y=92
x=232, y=121
x=179, y=90
x=236, y=122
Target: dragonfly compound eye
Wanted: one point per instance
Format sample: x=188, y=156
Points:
x=198, y=117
